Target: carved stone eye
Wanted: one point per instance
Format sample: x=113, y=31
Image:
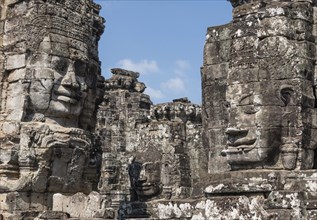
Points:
x=246, y=100
x=80, y=68
x=248, y=105
x=287, y=96
x=149, y=166
x=60, y=64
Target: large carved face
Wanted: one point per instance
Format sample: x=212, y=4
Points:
x=53, y=74
x=146, y=178
x=63, y=161
x=62, y=85
x=145, y=171
x=260, y=114
x=67, y=167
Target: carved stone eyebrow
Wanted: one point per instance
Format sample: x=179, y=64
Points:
x=245, y=97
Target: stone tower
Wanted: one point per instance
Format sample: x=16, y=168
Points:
x=259, y=87
x=74, y=145
x=259, y=109
x=49, y=73
x=151, y=152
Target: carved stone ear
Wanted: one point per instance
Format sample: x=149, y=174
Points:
x=287, y=96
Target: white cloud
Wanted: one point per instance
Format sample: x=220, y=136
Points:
x=143, y=66
x=175, y=84
x=154, y=93
x=181, y=67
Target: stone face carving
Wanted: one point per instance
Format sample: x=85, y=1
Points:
x=52, y=75
x=70, y=75
x=150, y=152
x=149, y=139
x=69, y=157
x=73, y=145
x=145, y=177
x=50, y=83
x=267, y=86
x=251, y=139
x=258, y=108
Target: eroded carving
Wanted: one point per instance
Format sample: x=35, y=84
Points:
x=265, y=101
x=248, y=152
x=50, y=87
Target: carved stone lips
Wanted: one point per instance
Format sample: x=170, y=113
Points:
x=235, y=150
x=242, y=149
x=146, y=187
x=66, y=95
x=238, y=141
x=242, y=141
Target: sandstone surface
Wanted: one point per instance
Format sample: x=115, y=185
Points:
x=74, y=145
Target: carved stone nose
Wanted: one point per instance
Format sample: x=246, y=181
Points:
x=142, y=179
x=70, y=78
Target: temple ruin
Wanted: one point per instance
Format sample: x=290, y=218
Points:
x=74, y=145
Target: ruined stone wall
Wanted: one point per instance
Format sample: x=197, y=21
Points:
x=73, y=145
x=255, y=132
x=149, y=151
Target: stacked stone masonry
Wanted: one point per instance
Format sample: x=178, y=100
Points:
x=74, y=145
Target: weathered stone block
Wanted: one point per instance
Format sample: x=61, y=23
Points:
x=14, y=202
x=285, y=200
x=10, y=128
x=280, y=213
x=311, y=214
x=16, y=75
x=299, y=10
x=215, y=53
x=80, y=205
x=245, y=27
x=15, y=61
x=38, y=201
x=215, y=91
x=10, y=39
x=3, y=202
x=219, y=33
x=211, y=73
x=243, y=75
x=14, y=23
x=217, y=162
x=53, y=215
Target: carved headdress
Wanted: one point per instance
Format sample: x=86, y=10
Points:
x=74, y=22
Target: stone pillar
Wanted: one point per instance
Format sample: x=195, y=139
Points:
x=124, y=106
x=214, y=105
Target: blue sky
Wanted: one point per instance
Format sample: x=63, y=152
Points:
x=163, y=40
